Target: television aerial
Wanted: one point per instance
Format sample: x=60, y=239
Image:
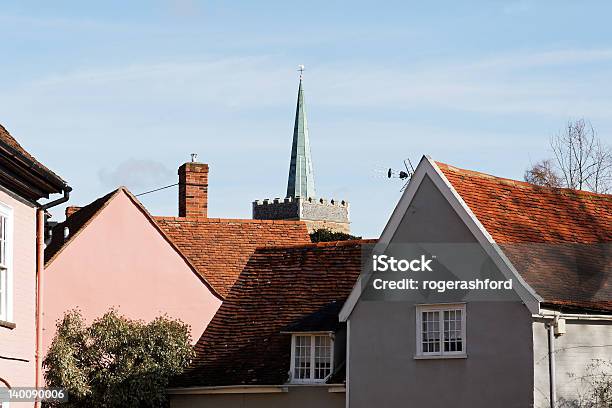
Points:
x=402, y=174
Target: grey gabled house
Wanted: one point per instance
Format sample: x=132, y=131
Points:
x=478, y=350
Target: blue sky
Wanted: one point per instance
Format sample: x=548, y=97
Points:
x=115, y=92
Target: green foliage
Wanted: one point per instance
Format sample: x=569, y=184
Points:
x=116, y=362
x=327, y=235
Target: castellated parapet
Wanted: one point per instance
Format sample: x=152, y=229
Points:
x=316, y=213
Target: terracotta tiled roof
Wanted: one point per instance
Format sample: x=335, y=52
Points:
x=220, y=248
x=515, y=211
x=7, y=139
x=560, y=240
x=245, y=343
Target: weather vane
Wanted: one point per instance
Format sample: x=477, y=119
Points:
x=301, y=69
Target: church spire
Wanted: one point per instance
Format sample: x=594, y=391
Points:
x=301, y=176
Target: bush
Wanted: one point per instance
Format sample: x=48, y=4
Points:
x=327, y=235
x=116, y=362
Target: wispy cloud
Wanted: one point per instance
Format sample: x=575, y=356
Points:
x=136, y=174
x=59, y=23
x=524, y=60
x=517, y=6
x=504, y=84
x=499, y=83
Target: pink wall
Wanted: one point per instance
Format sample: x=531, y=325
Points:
x=20, y=342
x=121, y=260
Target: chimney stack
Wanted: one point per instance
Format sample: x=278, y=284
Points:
x=193, y=190
x=71, y=209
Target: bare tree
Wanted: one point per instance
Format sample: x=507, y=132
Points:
x=544, y=174
x=601, y=181
x=593, y=389
x=582, y=161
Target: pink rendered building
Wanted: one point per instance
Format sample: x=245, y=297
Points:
x=113, y=253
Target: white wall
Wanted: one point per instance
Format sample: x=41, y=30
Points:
x=583, y=342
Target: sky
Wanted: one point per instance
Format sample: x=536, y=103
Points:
x=121, y=93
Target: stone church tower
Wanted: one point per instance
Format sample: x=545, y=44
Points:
x=301, y=202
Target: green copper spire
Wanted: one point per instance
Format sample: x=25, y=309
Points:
x=301, y=176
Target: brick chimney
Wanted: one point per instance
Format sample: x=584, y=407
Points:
x=193, y=190
x=71, y=210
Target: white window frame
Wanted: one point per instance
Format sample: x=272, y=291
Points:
x=312, y=336
x=441, y=308
x=6, y=271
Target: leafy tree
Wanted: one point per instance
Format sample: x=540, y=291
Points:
x=327, y=235
x=116, y=362
x=544, y=174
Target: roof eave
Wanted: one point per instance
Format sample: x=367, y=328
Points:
x=28, y=176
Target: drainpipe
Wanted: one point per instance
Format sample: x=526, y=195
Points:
x=40, y=259
x=552, y=380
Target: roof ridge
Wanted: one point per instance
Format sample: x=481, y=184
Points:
x=327, y=244
x=520, y=183
x=209, y=220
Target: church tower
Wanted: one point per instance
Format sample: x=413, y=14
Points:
x=301, y=202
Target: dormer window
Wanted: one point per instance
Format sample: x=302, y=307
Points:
x=312, y=357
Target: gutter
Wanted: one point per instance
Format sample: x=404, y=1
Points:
x=33, y=165
x=546, y=314
x=66, y=190
x=250, y=389
x=229, y=389
x=40, y=259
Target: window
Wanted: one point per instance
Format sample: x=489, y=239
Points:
x=311, y=357
x=441, y=330
x=5, y=263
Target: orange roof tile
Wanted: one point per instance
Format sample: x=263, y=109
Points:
x=246, y=342
x=515, y=211
x=220, y=248
x=560, y=240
